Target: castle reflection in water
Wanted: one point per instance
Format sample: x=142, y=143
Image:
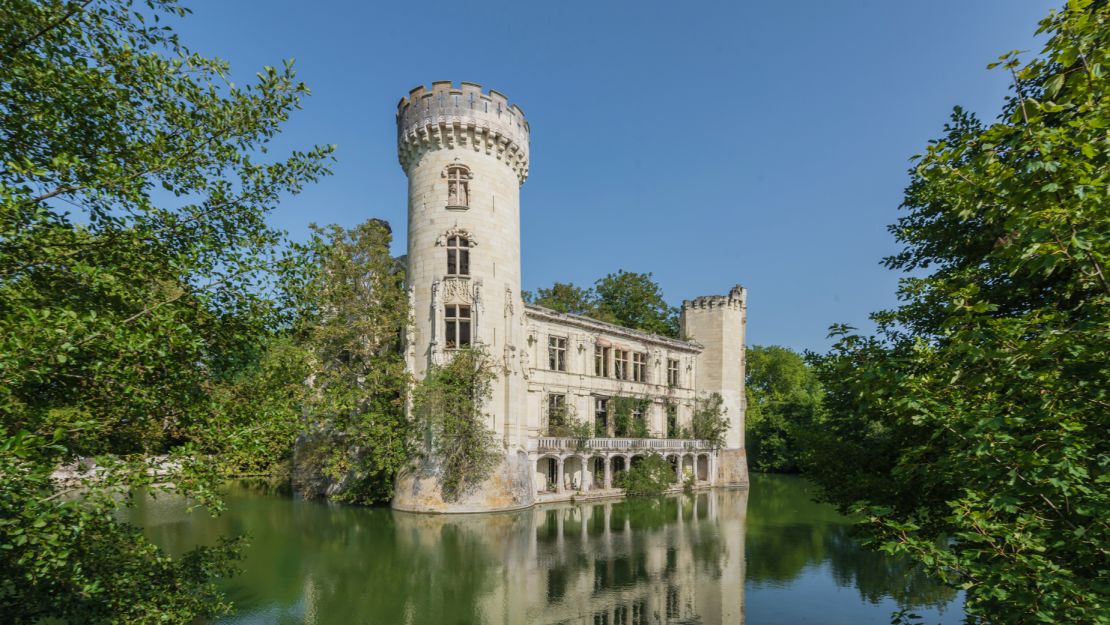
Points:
x=684, y=558
x=636, y=562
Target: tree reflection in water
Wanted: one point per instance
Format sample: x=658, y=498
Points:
x=677, y=559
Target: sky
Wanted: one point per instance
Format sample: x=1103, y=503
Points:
x=709, y=143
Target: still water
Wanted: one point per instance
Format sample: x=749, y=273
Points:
x=765, y=556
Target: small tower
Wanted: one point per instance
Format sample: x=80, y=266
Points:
x=466, y=155
x=718, y=323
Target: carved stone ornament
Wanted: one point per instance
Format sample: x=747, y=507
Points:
x=457, y=291
x=455, y=231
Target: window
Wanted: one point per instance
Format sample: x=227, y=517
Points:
x=601, y=417
x=556, y=411
x=458, y=186
x=556, y=353
x=620, y=364
x=457, y=325
x=458, y=256
x=672, y=372
x=639, y=422
x=639, y=367
x=672, y=421
x=601, y=361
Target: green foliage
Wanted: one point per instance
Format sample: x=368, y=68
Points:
x=622, y=413
x=632, y=300
x=353, y=328
x=259, y=411
x=784, y=404
x=650, y=475
x=709, y=422
x=448, y=408
x=137, y=277
x=972, y=431
x=564, y=297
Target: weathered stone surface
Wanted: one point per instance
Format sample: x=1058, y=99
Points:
x=732, y=467
x=508, y=487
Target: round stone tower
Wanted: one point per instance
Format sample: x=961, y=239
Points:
x=466, y=155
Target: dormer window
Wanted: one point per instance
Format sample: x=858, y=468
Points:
x=458, y=185
x=458, y=256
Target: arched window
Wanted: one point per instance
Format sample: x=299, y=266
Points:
x=458, y=256
x=458, y=185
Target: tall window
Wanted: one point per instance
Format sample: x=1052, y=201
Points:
x=556, y=412
x=556, y=353
x=458, y=186
x=672, y=372
x=457, y=325
x=601, y=416
x=639, y=367
x=601, y=361
x=620, y=364
x=458, y=256
x=672, y=421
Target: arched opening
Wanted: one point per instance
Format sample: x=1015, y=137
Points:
x=597, y=473
x=547, y=475
x=620, y=465
x=687, y=467
x=636, y=460
x=703, y=468
x=673, y=459
x=574, y=478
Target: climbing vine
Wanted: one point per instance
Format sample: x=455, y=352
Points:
x=448, y=409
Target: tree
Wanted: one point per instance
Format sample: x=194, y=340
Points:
x=972, y=429
x=709, y=423
x=358, y=435
x=784, y=403
x=448, y=407
x=137, y=273
x=650, y=475
x=632, y=300
x=564, y=297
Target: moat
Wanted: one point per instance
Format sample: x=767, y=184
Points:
x=763, y=556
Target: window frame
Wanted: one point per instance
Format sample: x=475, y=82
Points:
x=458, y=185
x=621, y=364
x=557, y=353
x=639, y=366
x=556, y=406
x=601, y=360
x=456, y=326
x=458, y=255
x=672, y=372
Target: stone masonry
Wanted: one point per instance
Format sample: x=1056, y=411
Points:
x=466, y=154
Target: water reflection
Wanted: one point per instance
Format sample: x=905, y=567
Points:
x=680, y=559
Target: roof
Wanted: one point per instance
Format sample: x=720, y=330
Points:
x=593, y=325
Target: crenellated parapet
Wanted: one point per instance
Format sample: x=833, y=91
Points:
x=449, y=117
x=736, y=299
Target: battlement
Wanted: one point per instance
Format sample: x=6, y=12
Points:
x=449, y=117
x=736, y=299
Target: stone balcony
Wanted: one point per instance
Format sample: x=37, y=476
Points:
x=641, y=445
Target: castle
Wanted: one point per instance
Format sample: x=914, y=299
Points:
x=465, y=153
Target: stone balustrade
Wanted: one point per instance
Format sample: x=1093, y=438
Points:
x=658, y=445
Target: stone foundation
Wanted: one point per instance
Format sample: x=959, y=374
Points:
x=509, y=487
x=732, y=467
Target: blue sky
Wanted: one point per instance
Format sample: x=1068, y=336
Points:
x=710, y=143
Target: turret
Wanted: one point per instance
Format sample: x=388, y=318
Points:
x=465, y=153
x=718, y=323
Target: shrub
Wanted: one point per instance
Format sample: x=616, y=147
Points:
x=651, y=476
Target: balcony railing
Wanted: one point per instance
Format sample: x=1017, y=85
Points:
x=658, y=445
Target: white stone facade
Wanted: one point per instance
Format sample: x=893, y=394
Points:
x=466, y=154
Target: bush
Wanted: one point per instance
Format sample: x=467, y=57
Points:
x=651, y=476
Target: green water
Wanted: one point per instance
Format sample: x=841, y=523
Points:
x=763, y=556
